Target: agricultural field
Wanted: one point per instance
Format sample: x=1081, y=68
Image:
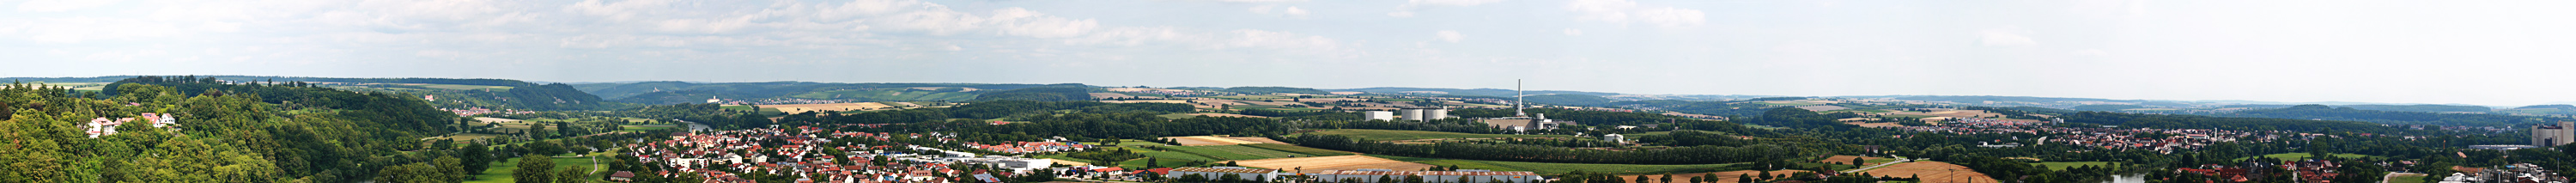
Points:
x=1196, y=115
x=1317, y=164
x=1233, y=152
x=500, y=172
x=640, y=128
x=1308, y=151
x=1253, y=97
x=1558, y=168
x=470, y=136
x=1414, y=135
x=1207, y=141
x=1933, y=171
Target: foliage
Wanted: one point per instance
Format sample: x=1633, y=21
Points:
x=2390, y=117
x=230, y=133
x=1042, y=94
x=1533, y=153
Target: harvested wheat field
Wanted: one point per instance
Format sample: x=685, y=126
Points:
x=801, y=108
x=1258, y=139
x=1848, y=159
x=1146, y=101
x=1318, y=164
x=1726, y=176
x=1932, y=171
x=1207, y=141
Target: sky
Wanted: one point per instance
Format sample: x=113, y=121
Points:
x=2504, y=53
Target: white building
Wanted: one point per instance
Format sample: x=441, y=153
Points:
x=1378, y=115
x=1615, y=138
x=1217, y=172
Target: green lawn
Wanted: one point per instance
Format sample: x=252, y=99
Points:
x=639, y=128
x=2297, y=156
x=1309, y=151
x=1414, y=135
x=2064, y=165
x=2407, y=179
x=500, y=172
x=1166, y=159
x=1558, y=168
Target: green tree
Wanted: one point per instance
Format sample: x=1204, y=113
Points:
x=572, y=175
x=534, y=169
x=452, y=168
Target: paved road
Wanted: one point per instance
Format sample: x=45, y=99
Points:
x=1899, y=159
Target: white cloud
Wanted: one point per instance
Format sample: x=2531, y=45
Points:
x=1624, y=12
x=1293, y=11
x=1262, y=9
x=1573, y=32
x=1400, y=14
x=1449, y=2
x=1450, y=36
x=39, y=6
x=2004, y=37
x=2092, y=52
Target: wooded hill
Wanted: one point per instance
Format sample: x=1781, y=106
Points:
x=231, y=133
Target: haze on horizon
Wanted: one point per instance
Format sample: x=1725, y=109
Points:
x=2498, y=53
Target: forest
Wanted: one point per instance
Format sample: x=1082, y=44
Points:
x=225, y=133
x=1264, y=90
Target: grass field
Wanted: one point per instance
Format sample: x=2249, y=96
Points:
x=1557, y=168
x=1414, y=135
x=1252, y=97
x=500, y=172
x=2407, y=179
x=2064, y=165
x=1309, y=151
x=2297, y=156
x=1231, y=152
x=639, y=128
x=1166, y=159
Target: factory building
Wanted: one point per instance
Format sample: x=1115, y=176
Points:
x=2548, y=135
x=1378, y=115
x=1425, y=113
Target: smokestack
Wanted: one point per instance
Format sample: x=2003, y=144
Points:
x=1518, y=100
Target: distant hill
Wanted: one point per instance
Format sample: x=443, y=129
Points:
x=2388, y=117
x=1569, y=100
x=459, y=93
x=1274, y=89
x=2551, y=106
x=1479, y=92
x=2411, y=108
x=2105, y=107
x=672, y=92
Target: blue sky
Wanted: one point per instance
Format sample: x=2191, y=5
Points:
x=2477, y=52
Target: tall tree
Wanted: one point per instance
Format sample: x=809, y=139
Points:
x=534, y=169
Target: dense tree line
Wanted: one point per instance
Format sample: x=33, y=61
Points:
x=2408, y=108
x=1715, y=108
x=1537, y=153
x=2390, y=117
x=1042, y=94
